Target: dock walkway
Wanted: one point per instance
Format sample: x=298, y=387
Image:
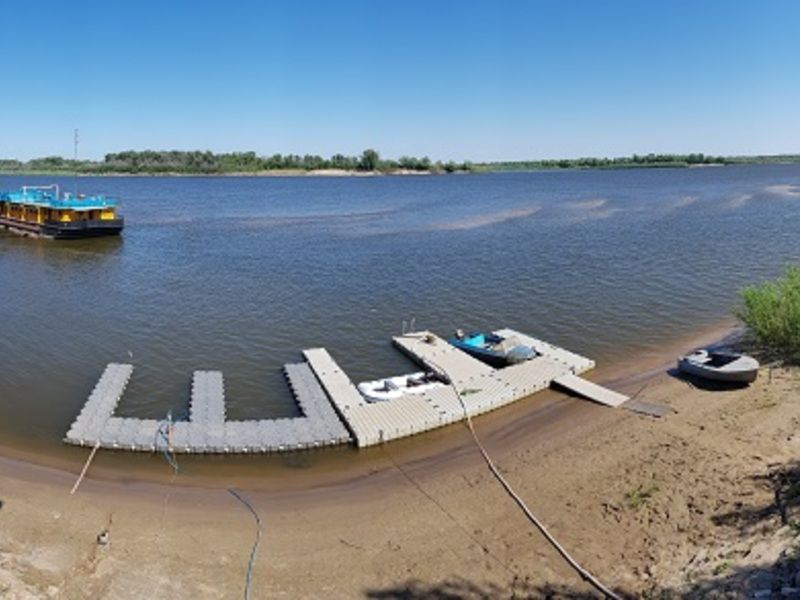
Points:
x=207, y=430
x=370, y=423
x=102, y=401
x=333, y=410
x=481, y=388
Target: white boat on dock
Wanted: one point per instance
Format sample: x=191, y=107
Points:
x=392, y=388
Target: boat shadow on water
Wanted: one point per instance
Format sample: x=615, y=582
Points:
x=63, y=251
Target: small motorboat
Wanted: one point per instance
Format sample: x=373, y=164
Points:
x=730, y=367
x=493, y=349
x=392, y=388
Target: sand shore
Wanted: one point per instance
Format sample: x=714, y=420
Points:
x=703, y=497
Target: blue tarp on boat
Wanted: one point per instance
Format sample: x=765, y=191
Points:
x=48, y=199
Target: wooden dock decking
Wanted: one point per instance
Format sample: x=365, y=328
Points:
x=333, y=410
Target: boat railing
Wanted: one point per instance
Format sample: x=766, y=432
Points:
x=54, y=186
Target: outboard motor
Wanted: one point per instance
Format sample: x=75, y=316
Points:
x=520, y=354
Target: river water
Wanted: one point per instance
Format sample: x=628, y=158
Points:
x=240, y=274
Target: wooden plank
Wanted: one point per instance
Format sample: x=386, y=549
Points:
x=590, y=390
x=647, y=408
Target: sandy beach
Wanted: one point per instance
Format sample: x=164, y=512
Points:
x=243, y=246
x=699, y=500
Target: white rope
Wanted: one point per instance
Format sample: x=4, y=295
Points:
x=85, y=468
x=521, y=503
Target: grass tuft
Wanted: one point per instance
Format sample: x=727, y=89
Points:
x=771, y=312
x=722, y=567
x=641, y=494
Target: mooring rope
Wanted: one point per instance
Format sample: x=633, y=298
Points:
x=85, y=468
x=249, y=577
x=532, y=517
x=169, y=454
x=520, y=502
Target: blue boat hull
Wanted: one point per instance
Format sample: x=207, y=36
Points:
x=493, y=358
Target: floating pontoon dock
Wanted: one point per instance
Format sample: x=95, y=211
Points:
x=334, y=412
x=207, y=430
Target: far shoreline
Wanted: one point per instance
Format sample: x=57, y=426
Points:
x=336, y=173
x=270, y=173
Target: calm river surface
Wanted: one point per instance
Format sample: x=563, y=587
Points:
x=240, y=274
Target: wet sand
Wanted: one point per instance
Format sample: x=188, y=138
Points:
x=421, y=515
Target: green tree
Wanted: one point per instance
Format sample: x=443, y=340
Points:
x=370, y=160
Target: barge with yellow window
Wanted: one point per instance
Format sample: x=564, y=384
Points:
x=43, y=211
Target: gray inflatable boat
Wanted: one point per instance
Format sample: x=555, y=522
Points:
x=729, y=367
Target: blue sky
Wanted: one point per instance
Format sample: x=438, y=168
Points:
x=452, y=80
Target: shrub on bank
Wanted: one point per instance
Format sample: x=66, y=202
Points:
x=771, y=312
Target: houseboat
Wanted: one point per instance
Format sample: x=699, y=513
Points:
x=43, y=211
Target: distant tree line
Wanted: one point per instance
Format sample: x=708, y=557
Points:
x=209, y=163
x=637, y=160
x=204, y=162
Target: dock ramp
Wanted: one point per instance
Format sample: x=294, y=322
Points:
x=590, y=390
